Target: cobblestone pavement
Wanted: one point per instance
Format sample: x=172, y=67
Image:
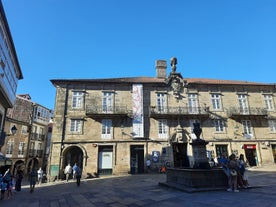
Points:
x=143, y=190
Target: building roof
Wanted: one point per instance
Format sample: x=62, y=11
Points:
x=154, y=80
x=223, y=82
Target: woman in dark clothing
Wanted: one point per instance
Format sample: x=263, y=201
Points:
x=19, y=177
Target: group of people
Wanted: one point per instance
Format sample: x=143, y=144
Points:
x=235, y=170
x=6, y=185
x=12, y=183
x=76, y=170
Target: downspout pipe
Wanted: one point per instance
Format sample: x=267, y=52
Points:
x=63, y=132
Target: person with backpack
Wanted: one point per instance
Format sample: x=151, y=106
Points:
x=78, y=175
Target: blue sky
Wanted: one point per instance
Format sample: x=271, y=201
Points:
x=69, y=39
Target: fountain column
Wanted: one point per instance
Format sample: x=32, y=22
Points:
x=199, y=150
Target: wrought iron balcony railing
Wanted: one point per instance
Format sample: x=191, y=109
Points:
x=178, y=111
x=37, y=137
x=247, y=111
x=95, y=110
x=35, y=153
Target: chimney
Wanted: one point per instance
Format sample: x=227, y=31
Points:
x=161, y=68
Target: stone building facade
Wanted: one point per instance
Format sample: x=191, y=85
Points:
x=26, y=148
x=111, y=126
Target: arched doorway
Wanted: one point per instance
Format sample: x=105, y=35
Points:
x=72, y=155
x=32, y=164
x=179, y=145
x=18, y=165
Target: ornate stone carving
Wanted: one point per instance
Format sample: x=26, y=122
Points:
x=175, y=80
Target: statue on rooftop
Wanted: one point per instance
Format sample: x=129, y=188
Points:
x=173, y=64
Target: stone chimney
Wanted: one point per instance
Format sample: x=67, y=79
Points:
x=161, y=68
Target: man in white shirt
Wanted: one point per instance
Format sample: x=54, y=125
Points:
x=39, y=176
x=68, y=171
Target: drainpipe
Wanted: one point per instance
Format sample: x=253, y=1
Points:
x=30, y=127
x=63, y=131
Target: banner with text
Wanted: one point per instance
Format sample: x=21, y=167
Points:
x=137, y=108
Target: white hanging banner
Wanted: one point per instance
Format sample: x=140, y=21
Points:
x=137, y=108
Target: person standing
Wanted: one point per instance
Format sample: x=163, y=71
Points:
x=39, y=176
x=68, y=171
x=75, y=167
x=242, y=168
x=78, y=175
x=3, y=188
x=32, y=179
x=7, y=176
x=233, y=166
x=148, y=163
x=19, y=177
x=10, y=186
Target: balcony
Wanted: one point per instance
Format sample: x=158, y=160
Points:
x=236, y=112
x=97, y=111
x=37, y=137
x=174, y=112
x=35, y=153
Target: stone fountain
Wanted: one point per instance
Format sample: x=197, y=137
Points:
x=200, y=176
x=195, y=174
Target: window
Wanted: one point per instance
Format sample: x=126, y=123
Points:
x=216, y=101
x=162, y=128
x=272, y=125
x=34, y=129
x=32, y=146
x=161, y=102
x=41, y=114
x=193, y=103
x=77, y=101
x=268, y=102
x=106, y=128
x=219, y=125
x=107, y=102
x=9, y=147
x=24, y=129
x=21, y=148
x=39, y=150
x=32, y=149
x=76, y=126
x=247, y=129
x=41, y=131
x=242, y=98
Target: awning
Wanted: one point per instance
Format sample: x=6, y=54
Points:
x=249, y=146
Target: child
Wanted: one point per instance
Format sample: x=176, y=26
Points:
x=10, y=189
x=3, y=186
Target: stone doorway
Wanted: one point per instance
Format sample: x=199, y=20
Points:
x=71, y=156
x=180, y=157
x=137, y=159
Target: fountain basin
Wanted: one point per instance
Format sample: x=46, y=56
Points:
x=196, y=180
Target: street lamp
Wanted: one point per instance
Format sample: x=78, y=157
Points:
x=13, y=130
